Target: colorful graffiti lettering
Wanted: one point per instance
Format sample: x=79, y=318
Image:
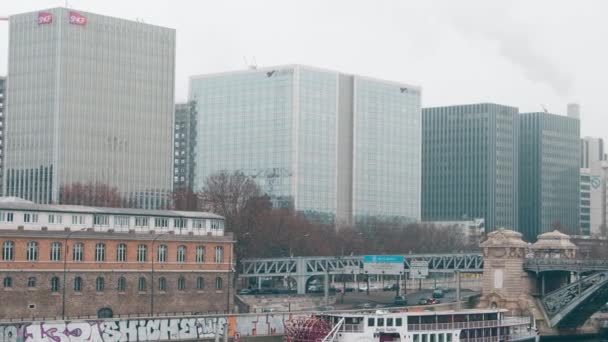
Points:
x=141, y=330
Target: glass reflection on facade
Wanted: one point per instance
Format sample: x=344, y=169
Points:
x=295, y=130
x=91, y=102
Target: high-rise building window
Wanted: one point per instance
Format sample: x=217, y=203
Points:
x=77, y=284
x=8, y=250
x=121, y=252
x=100, y=252
x=100, y=284
x=219, y=254
x=200, y=254
x=77, y=253
x=141, y=253
x=55, y=284
x=181, y=284
x=162, y=253
x=122, y=284
x=32, y=251
x=181, y=254
x=56, y=251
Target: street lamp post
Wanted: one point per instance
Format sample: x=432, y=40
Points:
x=65, y=271
x=152, y=274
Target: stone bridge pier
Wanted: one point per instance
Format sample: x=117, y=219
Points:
x=506, y=285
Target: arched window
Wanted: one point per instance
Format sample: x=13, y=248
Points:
x=55, y=284
x=181, y=284
x=32, y=251
x=77, y=284
x=181, y=254
x=105, y=313
x=77, y=253
x=8, y=250
x=200, y=283
x=122, y=284
x=161, y=253
x=31, y=282
x=200, y=254
x=141, y=253
x=100, y=252
x=141, y=284
x=219, y=254
x=8, y=282
x=121, y=252
x=162, y=284
x=100, y=284
x=218, y=283
x=56, y=251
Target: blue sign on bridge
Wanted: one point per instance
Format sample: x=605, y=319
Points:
x=383, y=259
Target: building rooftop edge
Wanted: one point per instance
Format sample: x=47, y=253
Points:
x=300, y=66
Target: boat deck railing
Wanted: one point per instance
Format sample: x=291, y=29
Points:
x=497, y=338
x=351, y=328
x=507, y=321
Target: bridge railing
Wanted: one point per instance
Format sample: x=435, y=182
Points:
x=535, y=264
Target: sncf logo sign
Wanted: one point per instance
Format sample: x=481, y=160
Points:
x=45, y=18
x=77, y=19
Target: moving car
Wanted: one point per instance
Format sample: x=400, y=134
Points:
x=400, y=300
x=428, y=301
x=392, y=287
x=438, y=293
x=365, y=306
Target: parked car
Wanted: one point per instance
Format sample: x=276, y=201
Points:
x=400, y=300
x=438, y=293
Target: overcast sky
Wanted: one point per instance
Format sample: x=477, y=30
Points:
x=519, y=53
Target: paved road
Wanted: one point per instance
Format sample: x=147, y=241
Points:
x=385, y=298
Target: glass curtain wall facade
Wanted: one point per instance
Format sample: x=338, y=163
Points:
x=549, y=171
x=469, y=163
x=183, y=145
x=91, y=103
x=294, y=129
x=2, y=121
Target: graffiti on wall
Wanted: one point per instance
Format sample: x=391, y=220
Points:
x=141, y=330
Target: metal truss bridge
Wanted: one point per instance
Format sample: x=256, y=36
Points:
x=302, y=268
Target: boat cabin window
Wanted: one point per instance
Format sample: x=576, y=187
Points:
x=380, y=322
x=492, y=317
x=398, y=322
x=353, y=320
x=433, y=338
x=370, y=322
x=389, y=322
x=428, y=319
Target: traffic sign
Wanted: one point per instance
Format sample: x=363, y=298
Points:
x=419, y=269
x=383, y=264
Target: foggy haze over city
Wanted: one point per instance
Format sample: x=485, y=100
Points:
x=517, y=53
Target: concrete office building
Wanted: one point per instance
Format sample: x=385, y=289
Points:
x=91, y=102
x=183, y=145
x=594, y=174
x=549, y=174
x=469, y=164
x=337, y=147
x=2, y=105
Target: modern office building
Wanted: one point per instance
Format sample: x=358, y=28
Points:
x=183, y=149
x=2, y=110
x=469, y=164
x=337, y=147
x=549, y=174
x=75, y=261
x=593, y=187
x=91, y=102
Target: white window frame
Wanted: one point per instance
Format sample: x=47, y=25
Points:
x=100, y=252
x=55, y=251
x=8, y=251
x=77, y=251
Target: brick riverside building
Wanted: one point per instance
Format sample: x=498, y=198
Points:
x=112, y=266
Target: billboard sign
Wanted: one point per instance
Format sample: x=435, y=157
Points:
x=77, y=19
x=419, y=269
x=45, y=18
x=383, y=264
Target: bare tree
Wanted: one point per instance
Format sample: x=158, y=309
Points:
x=94, y=194
x=185, y=199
